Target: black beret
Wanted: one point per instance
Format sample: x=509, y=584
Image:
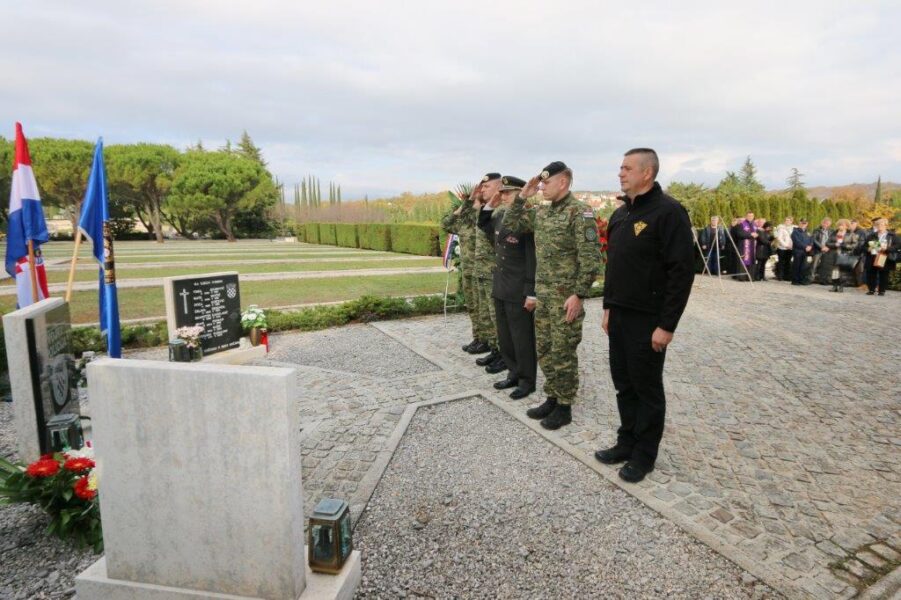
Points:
x=552, y=169
x=512, y=183
x=490, y=177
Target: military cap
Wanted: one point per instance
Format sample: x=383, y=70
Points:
x=552, y=169
x=490, y=177
x=512, y=183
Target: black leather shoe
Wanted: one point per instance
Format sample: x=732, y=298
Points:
x=611, y=456
x=561, y=416
x=467, y=347
x=484, y=361
x=543, y=410
x=870, y=293
x=521, y=393
x=633, y=472
x=479, y=348
x=496, y=367
x=507, y=383
x=881, y=293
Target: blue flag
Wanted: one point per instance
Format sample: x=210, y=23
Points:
x=94, y=225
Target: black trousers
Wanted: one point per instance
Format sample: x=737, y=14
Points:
x=760, y=269
x=516, y=341
x=877, y=279
x=637, y=373
x=784, y=266
x=799, y=268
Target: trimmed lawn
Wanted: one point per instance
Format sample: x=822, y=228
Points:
x=137, y=303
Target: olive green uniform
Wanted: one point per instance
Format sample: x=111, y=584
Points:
x=484, y=265
x=568, y=260
x=464, y=225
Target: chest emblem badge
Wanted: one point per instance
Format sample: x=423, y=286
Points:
x=639, y=226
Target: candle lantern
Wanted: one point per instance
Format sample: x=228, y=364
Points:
x=64, y=432
x=179, y=351
x=329, y=541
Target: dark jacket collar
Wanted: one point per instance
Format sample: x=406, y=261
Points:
x=649, y=196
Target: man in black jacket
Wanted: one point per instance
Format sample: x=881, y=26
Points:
x=513, y=291
x=650, y=259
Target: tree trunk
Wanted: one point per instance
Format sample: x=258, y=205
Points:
x=225, y=226
x=156, y=220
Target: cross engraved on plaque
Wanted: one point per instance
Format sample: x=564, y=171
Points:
x=184, y=297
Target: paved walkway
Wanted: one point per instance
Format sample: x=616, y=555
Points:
x=782, y=449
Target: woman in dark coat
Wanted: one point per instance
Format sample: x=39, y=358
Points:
x=764, y=248
x=881, y=248
x=843, y=249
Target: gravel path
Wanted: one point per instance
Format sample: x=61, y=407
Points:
x=474, y=505
x=359, y=349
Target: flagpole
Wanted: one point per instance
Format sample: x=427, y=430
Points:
x=33, y=271
x=72, y=266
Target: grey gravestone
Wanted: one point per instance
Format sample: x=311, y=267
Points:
x=212, y=300
x=41, y=371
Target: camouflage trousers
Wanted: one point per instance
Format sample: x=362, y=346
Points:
x=557, y=343
x=485, y=321
x=468, y=283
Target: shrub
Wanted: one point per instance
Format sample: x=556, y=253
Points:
x=415, y=239
x=374, y=236
x=312, y=233
x=327, y=234
x=346, y=235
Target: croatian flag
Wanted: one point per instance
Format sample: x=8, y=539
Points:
x=26, y=223
x=452, y=241
x=94, y=225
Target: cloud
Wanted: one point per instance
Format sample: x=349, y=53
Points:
x=392, y=96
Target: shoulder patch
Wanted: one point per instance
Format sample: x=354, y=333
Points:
x=591, y=234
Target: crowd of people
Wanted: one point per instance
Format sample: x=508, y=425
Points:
x=844, y=255
x=528, y=262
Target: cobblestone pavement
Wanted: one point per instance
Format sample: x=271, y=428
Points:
x=782, y=449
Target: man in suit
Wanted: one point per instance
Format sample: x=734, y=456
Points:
x=513, y=291
x=802, y=248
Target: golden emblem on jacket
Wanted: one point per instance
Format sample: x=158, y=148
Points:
x=639, y=227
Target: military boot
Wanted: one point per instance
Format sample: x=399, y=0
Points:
x=470, y=345
x=540, y=412
x=561, y=416
x=479, y=348
x=486, y=360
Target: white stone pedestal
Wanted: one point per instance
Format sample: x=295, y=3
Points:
x=200, y=486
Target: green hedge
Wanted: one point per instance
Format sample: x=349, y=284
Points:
x=374, y=236
x=346, y=235
x=415, y=239
x=327, y=234
x=312, y=233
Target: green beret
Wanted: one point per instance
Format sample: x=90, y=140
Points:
x=552, y=169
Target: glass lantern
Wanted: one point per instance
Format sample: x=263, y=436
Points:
x=64, y=432
x=329, y=540
x=179, y=351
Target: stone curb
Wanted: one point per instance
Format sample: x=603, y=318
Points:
x=886, y=588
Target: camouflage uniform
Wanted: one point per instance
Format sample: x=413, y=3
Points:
x=464, y=225
x=484, y=264
x=568, y=260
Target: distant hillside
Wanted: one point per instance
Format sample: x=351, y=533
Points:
x=868, y=190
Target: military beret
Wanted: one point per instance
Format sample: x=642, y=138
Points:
x=490, y=177
x=512, y=183
x=552, y=169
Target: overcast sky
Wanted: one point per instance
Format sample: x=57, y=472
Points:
x=385, y=96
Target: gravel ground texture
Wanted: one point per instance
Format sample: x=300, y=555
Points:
x=33, y=565
x=354, y=348
x=473, y=505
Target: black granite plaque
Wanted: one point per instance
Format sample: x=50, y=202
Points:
x=53, y=377
x=214, y=302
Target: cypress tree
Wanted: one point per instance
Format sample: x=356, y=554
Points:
x=877, y=198
x=339, y=194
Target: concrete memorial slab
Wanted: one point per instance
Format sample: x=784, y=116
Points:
x=41, y=371
x=201, y=490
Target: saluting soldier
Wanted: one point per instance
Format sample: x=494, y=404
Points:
x=484, y=274
x=462, y=222
x=650, y=270
x=513, y=291
x=568, y=259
